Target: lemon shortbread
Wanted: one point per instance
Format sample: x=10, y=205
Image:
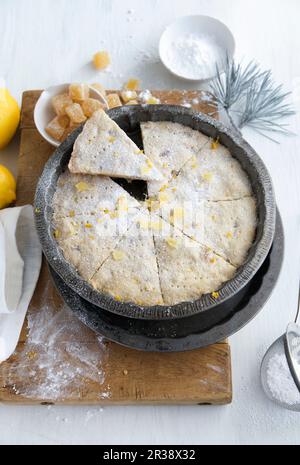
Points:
x=104, y=149
x=169, y=146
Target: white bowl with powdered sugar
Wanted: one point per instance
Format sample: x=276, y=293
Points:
x=193, y=47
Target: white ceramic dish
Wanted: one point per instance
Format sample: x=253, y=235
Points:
x=213, y=30
x=44, y=112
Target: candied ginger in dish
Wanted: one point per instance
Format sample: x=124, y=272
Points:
x=101, y=60
x=60, y=102
x=75, y=113
x=79, y=92
x=69, y=130
x=57, y=126
x=90, y=105
x=114, y=101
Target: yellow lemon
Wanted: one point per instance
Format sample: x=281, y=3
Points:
x=7, y=187
x=9, y=117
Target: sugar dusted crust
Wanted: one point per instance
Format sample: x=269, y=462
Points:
x=104, y=149
x=169, y=146
x=130, y=273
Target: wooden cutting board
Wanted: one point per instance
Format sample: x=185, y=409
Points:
x=60, y=361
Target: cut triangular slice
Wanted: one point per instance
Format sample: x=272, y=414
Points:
x=104, y=149
x=170, y=145
x=187, y=269
x=87, y=242
x=211, y=175
x=227, y=227
x=130, y=273
x=79, y=194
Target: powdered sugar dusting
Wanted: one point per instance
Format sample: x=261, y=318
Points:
x=215, y=368
x=60, y=358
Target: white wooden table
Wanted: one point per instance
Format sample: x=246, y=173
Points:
x=45, y=42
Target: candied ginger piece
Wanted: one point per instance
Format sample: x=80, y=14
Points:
x=128, y=95
x=90, y=105
x=79, y=92
x=100, y=88
x=57, y=126
x=69, y=130
x=147, y=97
x=132, y=102
x=75, y=113
x=60, y=102
x=101, y=60
x=153, y=101
x=207, y=177
x=176, y=215
x=64, y=121
x=114, y=101
x=82, y=187
x=132, y=84
x=215, y=144
x=173, y=243
x=118, y=255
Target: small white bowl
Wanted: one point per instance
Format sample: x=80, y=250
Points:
x=209, y=28
x=44, y=112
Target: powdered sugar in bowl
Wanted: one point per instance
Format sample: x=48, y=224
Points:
x=193, y=46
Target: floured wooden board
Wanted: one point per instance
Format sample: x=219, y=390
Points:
x=59, y=361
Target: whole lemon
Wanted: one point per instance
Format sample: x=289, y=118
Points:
x=9, y=117
x=7, y=187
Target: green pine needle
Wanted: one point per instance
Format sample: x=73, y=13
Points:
x=264, y=105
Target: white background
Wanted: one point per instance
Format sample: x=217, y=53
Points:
x=43, y=42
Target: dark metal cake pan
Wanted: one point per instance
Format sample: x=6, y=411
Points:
x=129, y=119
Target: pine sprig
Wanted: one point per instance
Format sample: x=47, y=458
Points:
x=263, y=104
x=232, y=83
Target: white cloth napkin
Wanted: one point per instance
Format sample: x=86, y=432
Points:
x=20, y=265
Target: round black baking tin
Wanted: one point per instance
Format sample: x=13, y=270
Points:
x=129, y=119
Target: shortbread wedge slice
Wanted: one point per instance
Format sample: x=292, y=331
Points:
x=86, y=195
x=226, y=227
x=103, y=148
x=87, y=241
x=170, y=145
x=212, y=175
x=130, y=273
x=187, y=269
